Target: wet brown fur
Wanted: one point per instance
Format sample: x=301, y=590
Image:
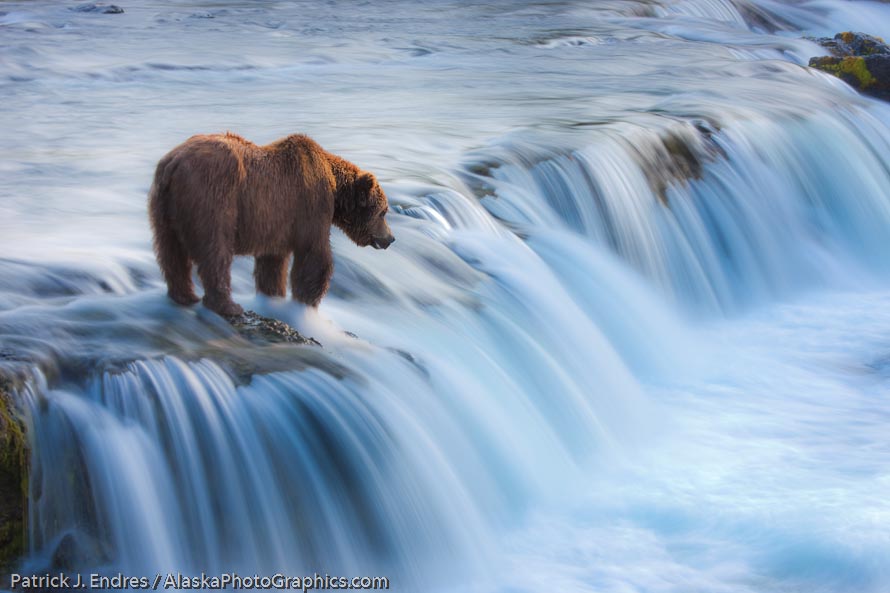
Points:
x=218, y=196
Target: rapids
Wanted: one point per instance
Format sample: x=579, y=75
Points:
x=633, y=335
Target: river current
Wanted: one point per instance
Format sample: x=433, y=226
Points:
x=634, y=334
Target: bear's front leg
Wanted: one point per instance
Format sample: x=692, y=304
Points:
x=215, y=273
x=270, y=274
x=311, y=274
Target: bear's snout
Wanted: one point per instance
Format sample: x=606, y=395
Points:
x=382, y=242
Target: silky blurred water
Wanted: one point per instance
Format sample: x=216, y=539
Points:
x=632, y=335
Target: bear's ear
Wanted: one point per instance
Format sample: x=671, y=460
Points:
x=363, y=184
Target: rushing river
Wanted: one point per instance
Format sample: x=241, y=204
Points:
x=634, y=334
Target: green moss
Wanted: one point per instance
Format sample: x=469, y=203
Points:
x=12, y=437
x=856, y=66
x=12, y=543
x=852, y=69
x=13, y=479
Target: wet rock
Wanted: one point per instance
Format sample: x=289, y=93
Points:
x=99, y=8
x=257, y=328
x=848, y=44
x=75, y=550
x=412, y=360
x=13, y=478
x=677, y=157
x=760, y=18
x=860, y=60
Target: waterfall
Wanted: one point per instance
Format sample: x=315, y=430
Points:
x=398, y=453
x=575, y=264
x=717, y=220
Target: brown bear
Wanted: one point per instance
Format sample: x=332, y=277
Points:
x=217, y=196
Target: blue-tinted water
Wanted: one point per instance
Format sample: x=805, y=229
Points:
x=632, y=337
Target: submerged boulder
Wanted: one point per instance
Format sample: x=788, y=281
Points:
x=99, y=8
x=13, y=477
x=860, y=60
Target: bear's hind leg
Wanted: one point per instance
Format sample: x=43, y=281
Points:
x=311, y=274
x=270, y=273
x=182, y=291
x=175, y=266
x=215, y=273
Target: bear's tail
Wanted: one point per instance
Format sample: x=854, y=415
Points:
x=172, y=256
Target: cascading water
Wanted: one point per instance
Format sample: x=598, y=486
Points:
x=757, y=217
x=631, y=336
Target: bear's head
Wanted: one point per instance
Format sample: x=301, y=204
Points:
x=362, y=213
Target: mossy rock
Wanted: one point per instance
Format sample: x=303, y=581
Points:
x=860, y=60
x=867, y=74
x=848, y=44
x=852, y=70
x=13, y=478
